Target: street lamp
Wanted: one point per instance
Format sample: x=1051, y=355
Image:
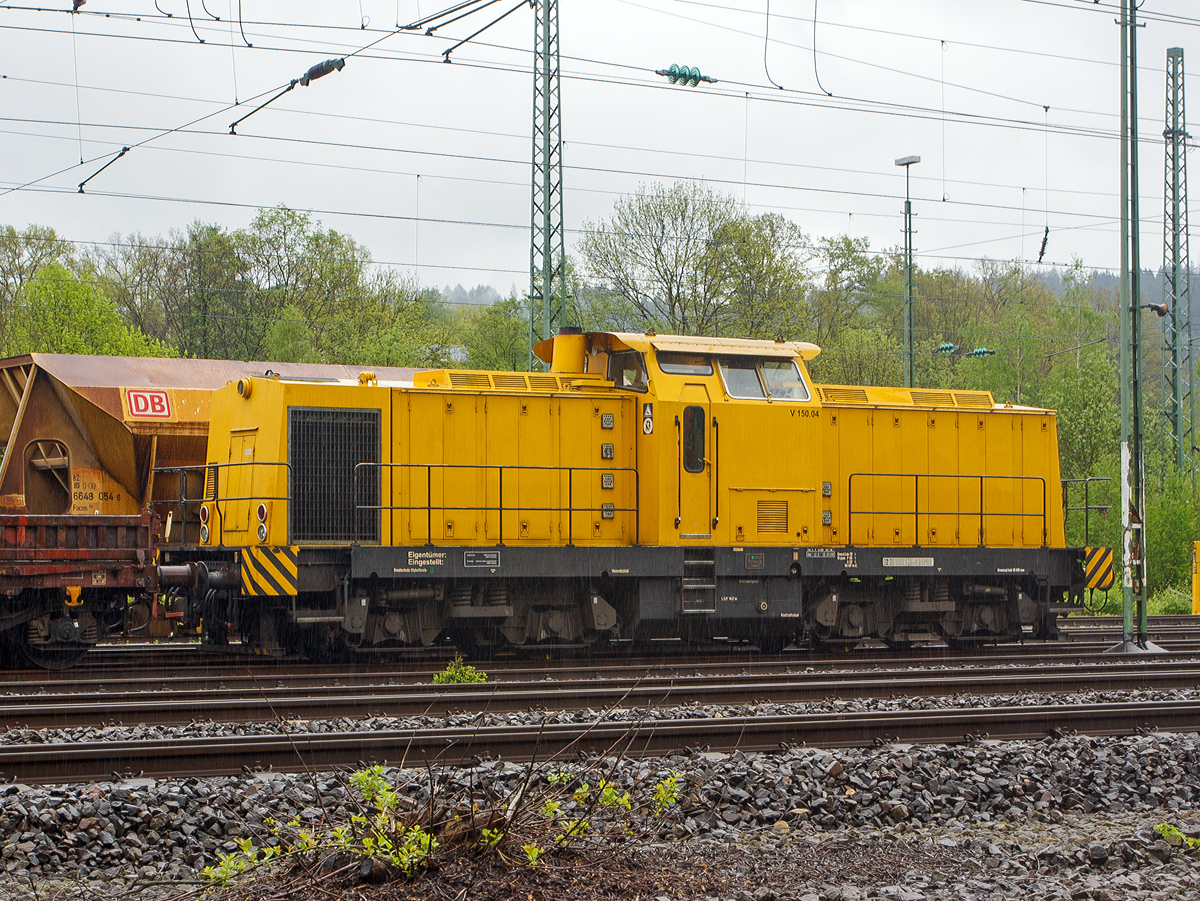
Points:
x=909, y=357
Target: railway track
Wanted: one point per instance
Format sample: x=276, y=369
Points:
x=251, y=699
x=93, y=761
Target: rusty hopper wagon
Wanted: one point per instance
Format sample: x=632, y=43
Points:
x=82, y=513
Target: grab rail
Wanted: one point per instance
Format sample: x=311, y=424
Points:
x=180, y=503
x=500, y=507
x=917, y=512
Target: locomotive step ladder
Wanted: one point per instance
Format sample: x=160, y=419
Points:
x=699, y=587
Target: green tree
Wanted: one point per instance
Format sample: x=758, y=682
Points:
x=58, y=312
x=290, y=339
x=850, y=282
x=654, y=254
x=497, y=336
x=764, y=260
x=22, y=254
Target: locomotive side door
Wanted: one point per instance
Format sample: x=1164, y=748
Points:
x=694, y=445
x=238, y=483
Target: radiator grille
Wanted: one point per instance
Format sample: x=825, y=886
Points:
x=510, y=382
x=973, y=399
x=844, y=395
x=469, y=380
x=323, y=448
x=543, y=383
x=772, y=516
x=933, y=398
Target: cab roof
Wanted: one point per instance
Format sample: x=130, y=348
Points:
x=754, y=347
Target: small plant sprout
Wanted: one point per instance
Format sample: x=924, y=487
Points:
x=611, y=796
x=459, y=673
x=1170, y=832
x=532, y=853
x=666, y=794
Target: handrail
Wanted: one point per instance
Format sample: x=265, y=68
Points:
x=1087, y=507
x=917, y=512
x=183, y=500
x=500, y=507
x=716, y=471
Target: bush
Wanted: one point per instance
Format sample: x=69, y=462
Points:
x=459, y=673
x=404, y=822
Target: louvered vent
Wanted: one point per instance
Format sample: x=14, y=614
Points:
x=543, y=383
x=469, y=380
x=210, y=483
x=773, y=517
x=844, y=395
x=933, y=398
x=973, y=399
x=509, y=382
x=333, y=499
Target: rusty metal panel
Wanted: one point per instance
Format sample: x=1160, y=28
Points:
x=88, y=551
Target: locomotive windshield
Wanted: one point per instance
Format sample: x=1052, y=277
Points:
x=783, y=380
x=753, y=378
x=741, y=377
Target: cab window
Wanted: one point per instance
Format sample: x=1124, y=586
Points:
x=740, y=375
x=677, y=363
x=783, y=380
x=627, y=369
x=693, y=439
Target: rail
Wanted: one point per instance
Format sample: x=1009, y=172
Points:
x=500, y=507
x=917, y=512
x=181, y=503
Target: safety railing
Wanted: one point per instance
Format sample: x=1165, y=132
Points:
x=916, y=512
x=206, y=472
x=500, y=507
x=1088, y=506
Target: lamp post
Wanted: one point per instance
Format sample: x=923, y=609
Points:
x=909, y=356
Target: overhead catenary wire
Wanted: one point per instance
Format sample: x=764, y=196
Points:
x=883, y=105
x=744, y=94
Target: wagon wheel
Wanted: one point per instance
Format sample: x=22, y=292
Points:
x=53, y=656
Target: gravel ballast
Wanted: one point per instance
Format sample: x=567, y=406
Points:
x=1069, y=817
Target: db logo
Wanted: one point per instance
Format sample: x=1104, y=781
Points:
x=148, y=404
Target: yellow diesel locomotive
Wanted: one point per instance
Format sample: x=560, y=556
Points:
x=644, y=487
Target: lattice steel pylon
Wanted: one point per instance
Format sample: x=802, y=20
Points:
x=547, y=247
x=1178, y=400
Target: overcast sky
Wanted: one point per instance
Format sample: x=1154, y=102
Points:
x=428, y=164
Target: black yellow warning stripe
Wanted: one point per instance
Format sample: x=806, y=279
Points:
x=270, y=571
x=1098, y=568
